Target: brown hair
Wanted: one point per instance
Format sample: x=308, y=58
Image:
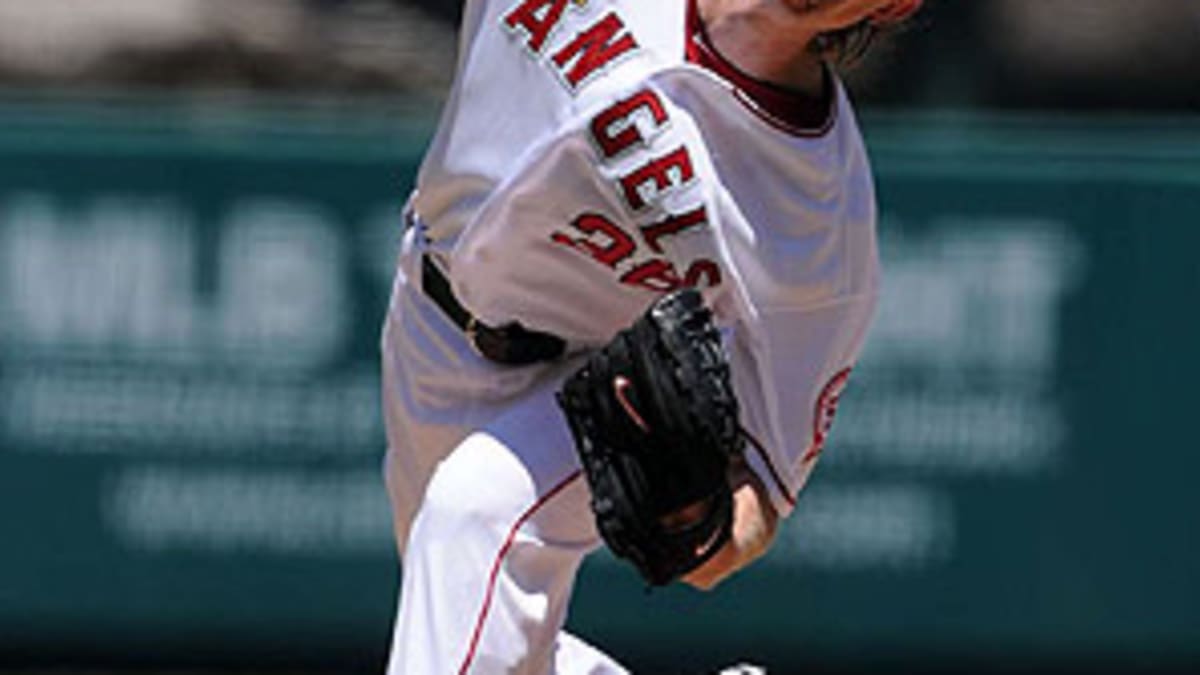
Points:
x=848, y=46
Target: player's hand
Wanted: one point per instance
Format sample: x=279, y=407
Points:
x=655, y=422
x=773, y=41
x=831, y=15
x=754, y=525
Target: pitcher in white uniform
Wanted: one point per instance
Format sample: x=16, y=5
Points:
x=594, y=155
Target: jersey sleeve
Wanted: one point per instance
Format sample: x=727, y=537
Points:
x=596, y=222
x=790, y=368
x=625, y=204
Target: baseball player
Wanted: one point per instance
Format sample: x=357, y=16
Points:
x=640, y=263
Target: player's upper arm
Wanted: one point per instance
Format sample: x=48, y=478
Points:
x=618, y=207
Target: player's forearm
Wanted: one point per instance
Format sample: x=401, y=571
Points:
x=754, y=524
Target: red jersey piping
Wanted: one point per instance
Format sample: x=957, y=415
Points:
x=788, y=110
x=495, y=572
x=780, y=486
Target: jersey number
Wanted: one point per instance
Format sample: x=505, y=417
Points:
x=632, y=123
x=608, y=244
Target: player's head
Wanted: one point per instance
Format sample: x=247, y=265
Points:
x=852, y=26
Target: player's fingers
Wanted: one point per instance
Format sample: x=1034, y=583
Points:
x=829, y=15
x=897, y=11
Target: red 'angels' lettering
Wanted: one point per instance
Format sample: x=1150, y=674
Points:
x=657, y=176
x=614, y=243
x=673, y=224
x=628, y=123
x=538, y=18
x=587, y=52
x=594, y=47
x=615, y=130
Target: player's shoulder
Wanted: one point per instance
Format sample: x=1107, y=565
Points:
x=652, y=22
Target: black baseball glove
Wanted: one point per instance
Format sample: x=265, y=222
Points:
x=655, y=422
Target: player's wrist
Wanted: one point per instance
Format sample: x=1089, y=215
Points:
x=755, y=523
x=755, y=520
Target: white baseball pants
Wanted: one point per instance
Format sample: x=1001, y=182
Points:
x=490, y=509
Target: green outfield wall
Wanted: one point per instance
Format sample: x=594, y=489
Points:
x=190, y=440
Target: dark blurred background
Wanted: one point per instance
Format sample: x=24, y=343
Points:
x=199, y=208
x=1075, y=55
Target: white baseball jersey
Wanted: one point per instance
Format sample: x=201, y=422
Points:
x=594, y=154
x=584, y=166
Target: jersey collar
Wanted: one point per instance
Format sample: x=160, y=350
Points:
x=786, y=109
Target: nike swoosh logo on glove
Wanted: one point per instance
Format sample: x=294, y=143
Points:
x=621, y=385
